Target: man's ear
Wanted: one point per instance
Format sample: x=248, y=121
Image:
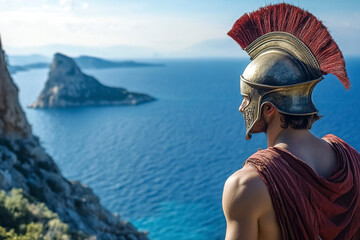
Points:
x=268, y=110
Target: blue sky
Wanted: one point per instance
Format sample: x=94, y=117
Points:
x=164, y=26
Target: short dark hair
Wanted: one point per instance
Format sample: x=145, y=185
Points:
x=298, y=122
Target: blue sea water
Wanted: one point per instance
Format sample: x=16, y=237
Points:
x=162, y=165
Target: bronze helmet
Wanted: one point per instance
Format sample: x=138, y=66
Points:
x=284, y=69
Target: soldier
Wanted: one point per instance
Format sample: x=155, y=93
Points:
x=301, y=186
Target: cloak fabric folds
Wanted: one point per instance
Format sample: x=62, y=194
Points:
x=308, y=206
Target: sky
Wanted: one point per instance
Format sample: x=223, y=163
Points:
x=156, y=27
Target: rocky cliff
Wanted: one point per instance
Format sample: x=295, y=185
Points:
x=25, y=164
x=67, y=86
x=13, y=122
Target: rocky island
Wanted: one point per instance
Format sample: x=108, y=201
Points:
x=68, y=86
x=25, y=165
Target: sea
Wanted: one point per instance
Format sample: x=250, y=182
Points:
x=162, y=165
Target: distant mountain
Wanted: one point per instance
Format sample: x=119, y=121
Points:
x=109, y=52
x=213, y=48
x=27, y=67
x=68, y=86
x=20, y=60
x=82, y=62
x=15, y=69
x=94, y=62
x=223, y=47
x=36, y=65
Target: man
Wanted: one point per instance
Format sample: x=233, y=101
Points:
x=301, y=186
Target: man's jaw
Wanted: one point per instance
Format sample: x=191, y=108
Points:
x=259, y=126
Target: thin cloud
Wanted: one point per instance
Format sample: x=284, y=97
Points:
x=137, y=23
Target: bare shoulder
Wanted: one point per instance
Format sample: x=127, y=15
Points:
x=245, y=201
x=245, y=193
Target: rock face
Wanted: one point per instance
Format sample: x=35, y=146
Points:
x=13, y=122
x=25, y=164
x=67, y=86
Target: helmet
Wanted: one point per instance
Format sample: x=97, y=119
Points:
x=290, y=51
x=284, y=76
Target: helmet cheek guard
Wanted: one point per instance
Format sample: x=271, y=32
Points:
x=251, y=112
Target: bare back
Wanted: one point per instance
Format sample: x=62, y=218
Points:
x=315, y=152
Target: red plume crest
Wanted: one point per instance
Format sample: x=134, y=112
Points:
x=298, y=22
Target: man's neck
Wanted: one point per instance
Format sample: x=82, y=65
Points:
x=290, y=137
x=276, y=135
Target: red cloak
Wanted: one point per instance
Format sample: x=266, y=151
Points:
x=307, y=206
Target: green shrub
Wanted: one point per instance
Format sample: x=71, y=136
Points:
x=25, y=220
